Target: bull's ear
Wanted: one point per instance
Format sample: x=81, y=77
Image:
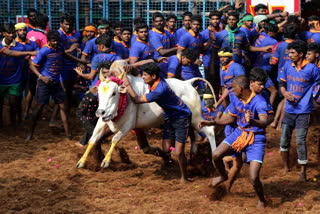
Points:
x=122, y=89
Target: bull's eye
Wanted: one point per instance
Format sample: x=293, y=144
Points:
x=114, y=93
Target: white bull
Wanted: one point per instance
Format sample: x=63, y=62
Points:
x=148, y=115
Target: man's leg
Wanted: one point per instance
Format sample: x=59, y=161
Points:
x=254, y=179
x=14, y=108
x=35, y=117
x=233, y=172
x=273, y=94
x=278, y=114
x=179, y=149
x=285, y=146
x=64, y=118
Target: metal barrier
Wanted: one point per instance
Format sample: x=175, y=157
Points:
x=87, y=11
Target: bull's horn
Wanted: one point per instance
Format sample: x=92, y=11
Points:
x=121, y=75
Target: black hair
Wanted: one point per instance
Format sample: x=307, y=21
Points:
x=141, y=26
x=151, y=68
x=277, y=11
x=290, y=31
x=196, y=18
x=138, y=20
x=105, y=64
x=42, y=21
x=230, y=7
x=215, y=13
x=171, y=16
x=260, y=6
x=234, y=14
x=311, y=19
x=53, y=35
x=186, y=14
x=189, y=54
x=8, y=28
x=293, y=19
x=314, y=47
x=225, y=49
x=156, y=15
x=102, y=22
x=268, y=27
x=125, y=29
x=68, y=17
x=117, y=24
x=258, y=74
x=242, y=81
x=32, y=10
x=104, y=40
x=299, y=46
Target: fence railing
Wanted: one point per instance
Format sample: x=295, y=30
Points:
x=87, y=11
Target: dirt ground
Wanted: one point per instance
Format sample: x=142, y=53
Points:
x=41, y=177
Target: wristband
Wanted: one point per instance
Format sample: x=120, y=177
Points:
x=40, y=76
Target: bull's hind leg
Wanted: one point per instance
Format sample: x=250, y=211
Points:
x=99, y=131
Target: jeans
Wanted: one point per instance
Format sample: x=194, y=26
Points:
x=292, y=121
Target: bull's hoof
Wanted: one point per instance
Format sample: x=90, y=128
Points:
x=105, y=164
x=81, y=164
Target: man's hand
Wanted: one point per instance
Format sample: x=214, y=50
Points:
x=45, y=79
x=162, y=59
x=248, y=115
x=284, y=14
x=205, y=123
x=79, y=70
x=128, y=68
x=268, y=49
x=198, y=62
x=289, y=96
x=239, y=4
x=33, y=53
x=211, y=36
x=125, y=79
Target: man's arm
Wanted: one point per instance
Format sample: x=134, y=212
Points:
x=8, y=52
x=261, y=123
x=167, y=52
x=136, y=99
x=85, y=62
x=226, y=119
x=32, y=67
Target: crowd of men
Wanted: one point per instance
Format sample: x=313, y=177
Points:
x=255, y=64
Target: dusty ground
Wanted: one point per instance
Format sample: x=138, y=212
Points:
x=40, y=177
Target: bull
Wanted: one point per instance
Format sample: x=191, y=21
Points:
x=122, y=119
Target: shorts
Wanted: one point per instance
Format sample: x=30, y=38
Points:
x=254, y=152
x=44, y=91
x=68, y=75
x=176, y=129
x=13, y=89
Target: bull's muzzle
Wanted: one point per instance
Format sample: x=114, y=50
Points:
x=100, y=113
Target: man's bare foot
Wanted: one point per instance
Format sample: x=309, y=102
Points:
x=261, y=204
x=55, y=124
x=28, y=138
x=279, y=127
x=184, y=180
x=274, y=124
x=217, y=180
x=303, y=177
x=285, y=171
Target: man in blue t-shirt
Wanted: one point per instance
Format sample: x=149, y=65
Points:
x=175, y=62
x=177, y=116
x=186, y=22
x=296, y=85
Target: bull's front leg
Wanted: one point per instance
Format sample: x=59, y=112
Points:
x=99, y=131
x=116, y=138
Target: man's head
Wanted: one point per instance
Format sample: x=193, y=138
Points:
x=21, y=31
x=278, y=19
x=117, y=28
x=53, y=38
x=247, y=20
x=188, y=56
x=260, y=9
x=239, y=85
x=66, y=22
x=90, y=31
x=8, y=31
x=42, y=21
x=186, y=19
x=103, y=43
x=171, y=21
x=151, y=72
x=208, y=98
x=260, y=21
x=196, y=23
x=225, y=55
x=313, y=22
x=215, y=18
x=158, y=21
x=32, y=16
x=290, y=31
x=229, y=9
x=104, y=68
x=258, y=78
x=292, y=19
x=136, y=21
x=313, y=52
x=103, y=27
x=142, y=31
x=233, y=19
x=125, y=34
x=271, y=29
x=297, y=50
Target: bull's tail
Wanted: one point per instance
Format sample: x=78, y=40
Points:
x=191, y=81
